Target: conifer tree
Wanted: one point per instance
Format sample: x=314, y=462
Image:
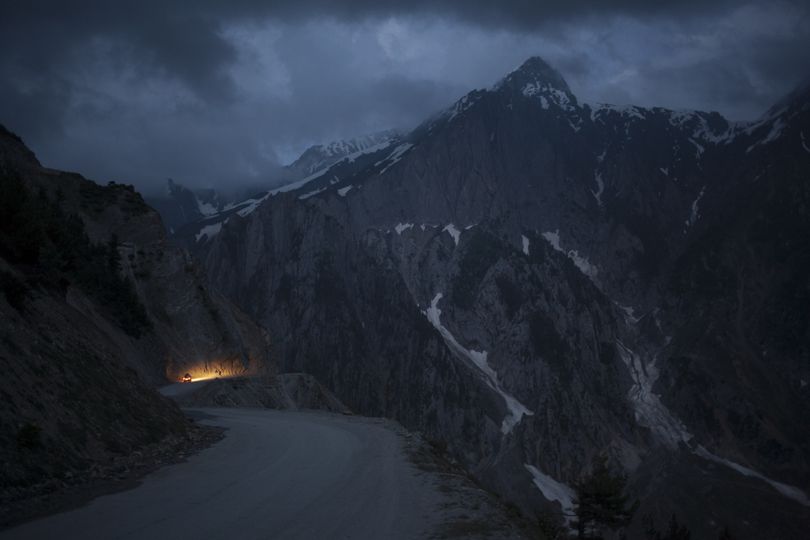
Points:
x=601, y=502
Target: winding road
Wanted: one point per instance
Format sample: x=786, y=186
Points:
x=276, y=475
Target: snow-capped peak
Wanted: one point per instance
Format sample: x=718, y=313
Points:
x=535, y=78
x=536, y=70
x=320, y=156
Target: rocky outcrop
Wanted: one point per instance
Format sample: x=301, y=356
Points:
x=180, y=205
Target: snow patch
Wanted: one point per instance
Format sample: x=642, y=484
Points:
x=346, y=151
x=311, y=193
x=629, y=314
x=251, y=205
x=525, y=244
x=695, y=214
x=702, y=131
x=403, y=227
x=344, y=190
x=790, y=492
x=776, y=131
x=460, y=106
x=553, y=238
x=629, y=111
x=553, y=490
x=479, y=359
x=364, y=144
x=351, y=158
x=649, y=411
x=455, y=233
x=300, y=183
x=664, y=171
x=698, y=148
x=579, y=261
x=600, y=187
x=547, y=95
x=394, y=156
x=679, y=118
x=206, y=209
x=209, y=231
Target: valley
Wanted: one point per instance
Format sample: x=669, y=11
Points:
x=520, y=288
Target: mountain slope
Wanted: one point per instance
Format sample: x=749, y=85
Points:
x=97, y=309
x=321, y=156
x=310, y=169
x=536, y=281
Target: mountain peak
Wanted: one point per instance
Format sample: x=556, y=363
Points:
x=537, y=67
x=536, y=78
x=536, y=70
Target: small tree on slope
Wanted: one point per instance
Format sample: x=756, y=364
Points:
x=601, y=502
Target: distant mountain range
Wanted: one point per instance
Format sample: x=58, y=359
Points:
x=192, y=214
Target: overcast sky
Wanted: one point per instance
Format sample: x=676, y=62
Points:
x=215, y=93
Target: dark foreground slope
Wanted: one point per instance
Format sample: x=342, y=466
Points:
x=96, y=309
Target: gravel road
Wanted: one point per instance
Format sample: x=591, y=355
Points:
x=279, y=475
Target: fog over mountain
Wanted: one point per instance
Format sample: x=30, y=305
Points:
x=220, y=95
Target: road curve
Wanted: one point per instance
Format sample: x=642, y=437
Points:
x=276, y=475
x=179, y=389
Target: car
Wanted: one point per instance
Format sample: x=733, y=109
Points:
x=186, y=377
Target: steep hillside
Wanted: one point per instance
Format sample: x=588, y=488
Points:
x=189, y=327
x=537, y=281
x=96, y=309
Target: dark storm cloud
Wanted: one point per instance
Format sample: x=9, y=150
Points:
x=214, y=92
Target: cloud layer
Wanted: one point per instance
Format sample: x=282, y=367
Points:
x=215, y=93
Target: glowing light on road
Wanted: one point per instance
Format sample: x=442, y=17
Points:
x=206, y=371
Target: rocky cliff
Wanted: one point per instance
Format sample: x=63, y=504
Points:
x=96, y=309
x=537, y=281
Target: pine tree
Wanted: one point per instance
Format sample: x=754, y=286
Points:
x=113, y=258
x=601, y=502
x=676, y=531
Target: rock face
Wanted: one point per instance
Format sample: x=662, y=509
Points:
x=537, y=281
x=191, y=327
x=91, y=322
x=181, y=206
